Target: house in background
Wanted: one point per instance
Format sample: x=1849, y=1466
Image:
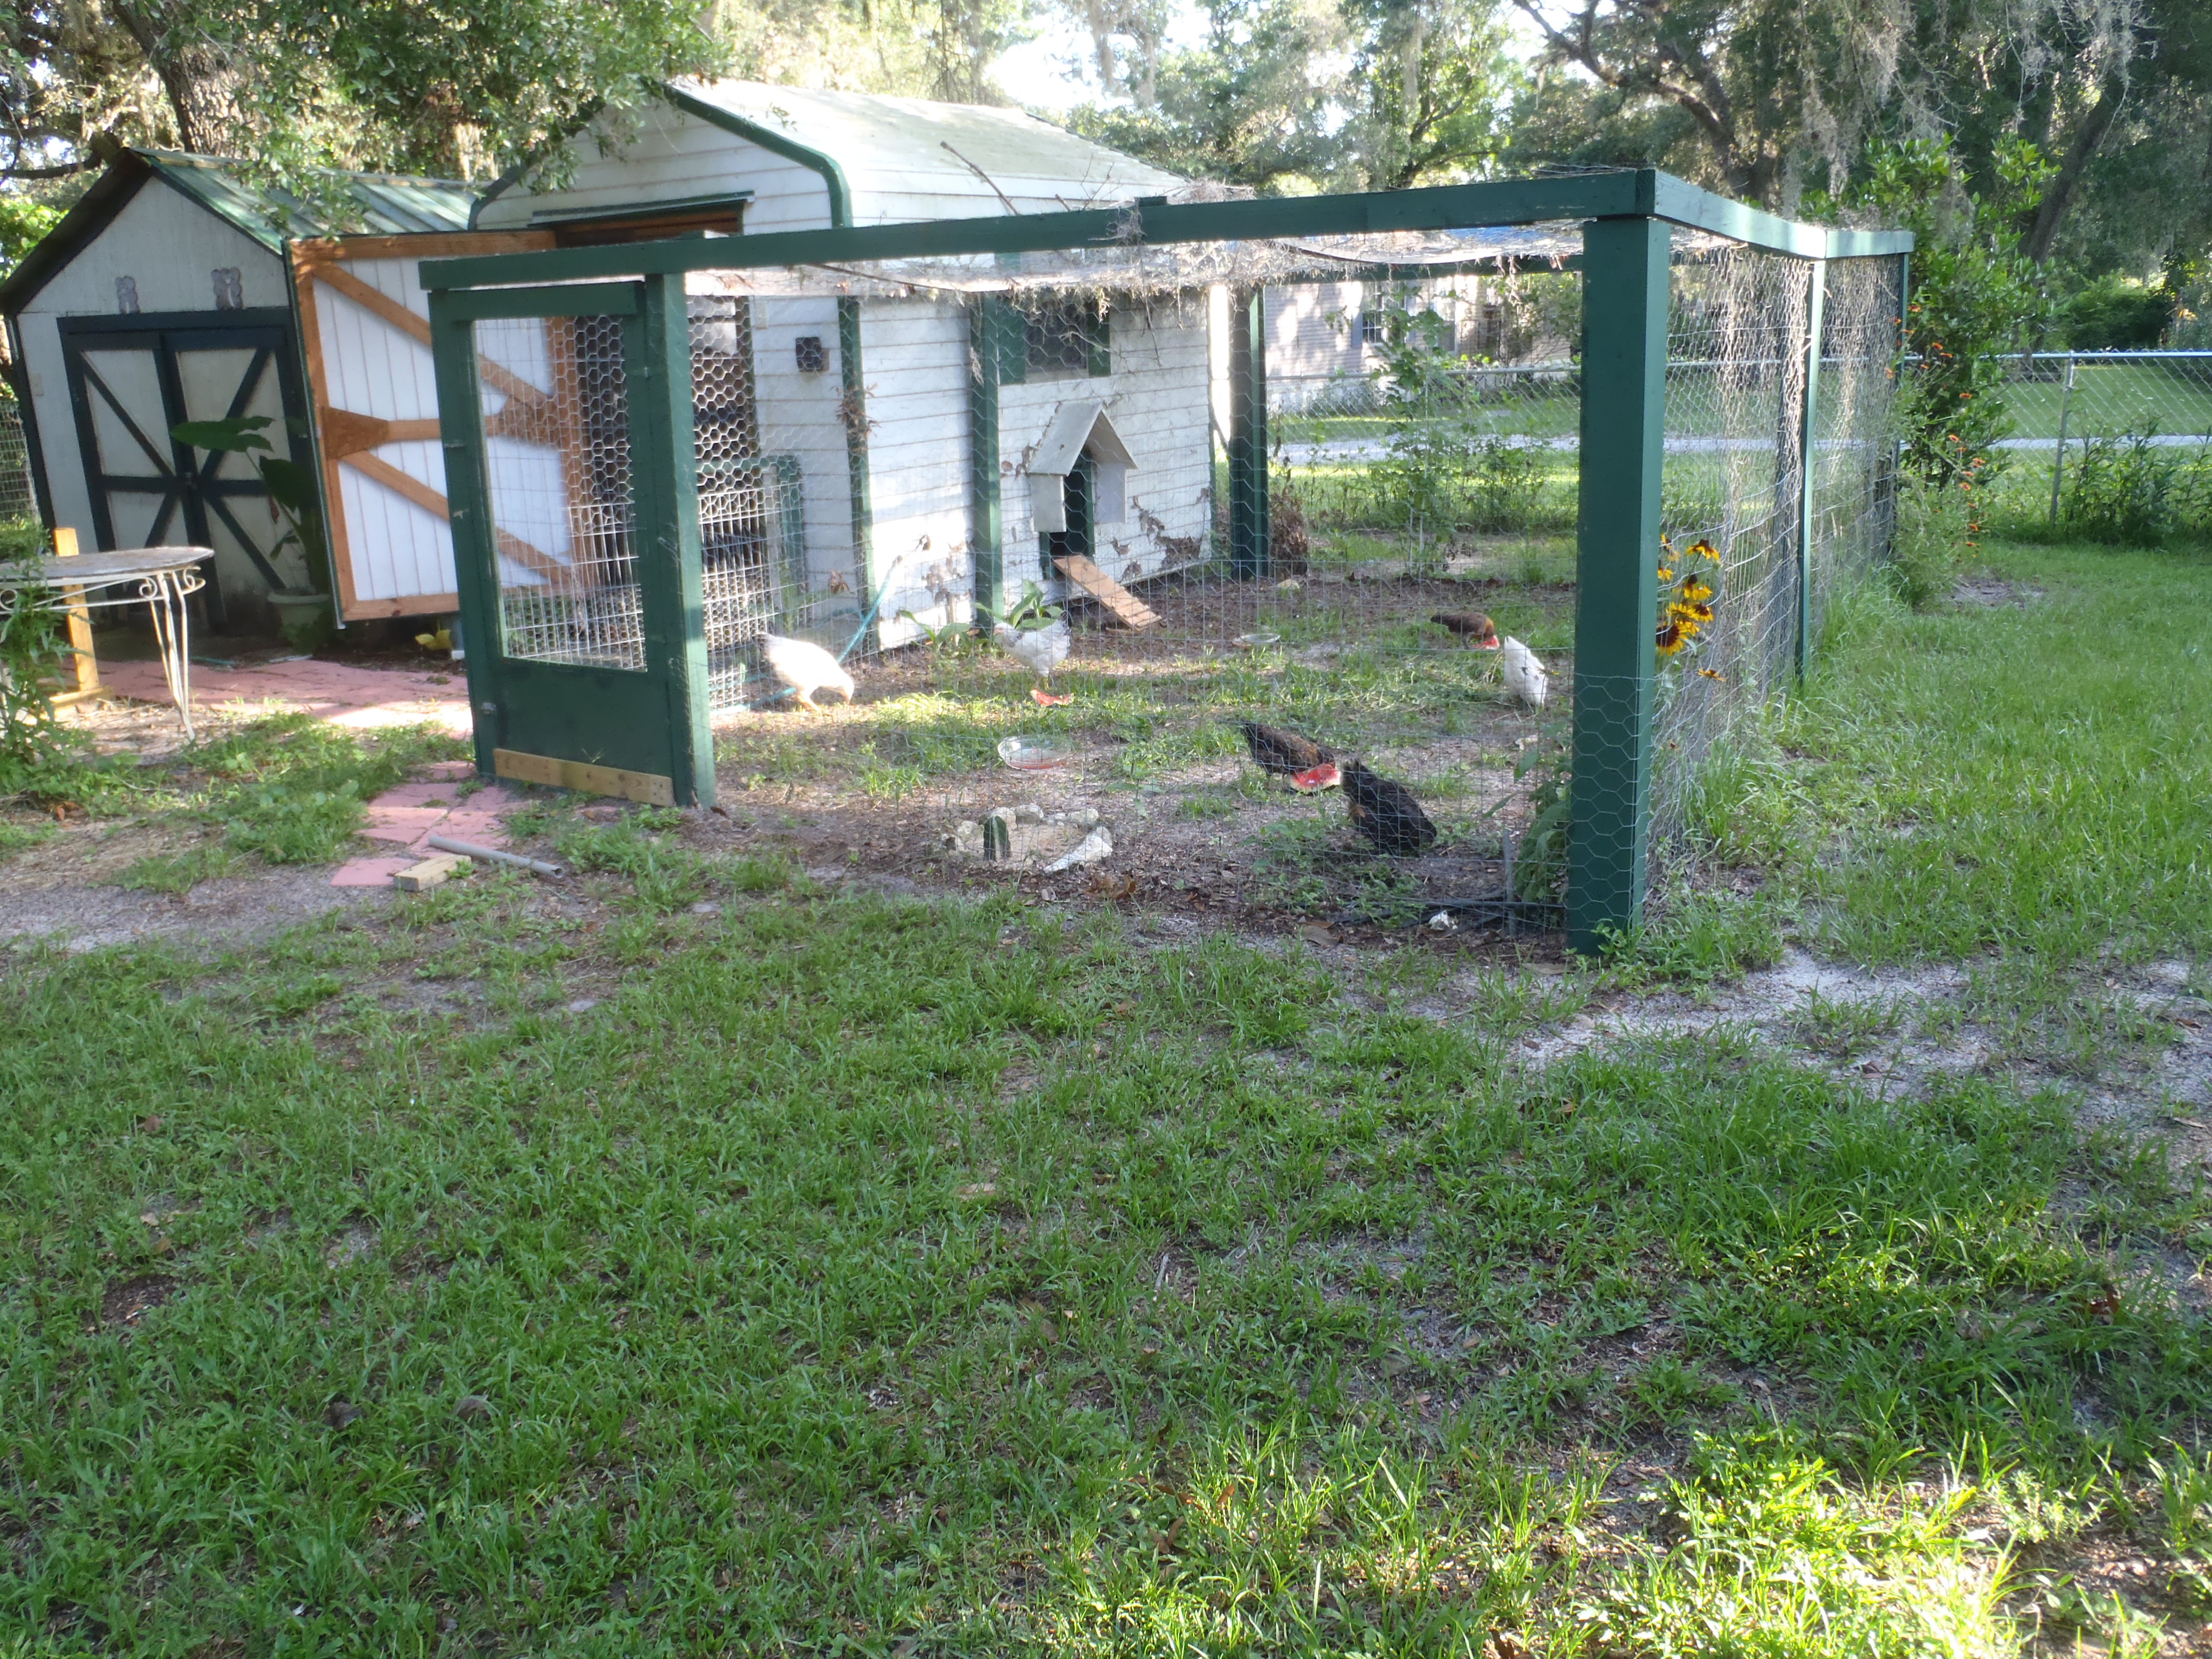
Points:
x=851, y=401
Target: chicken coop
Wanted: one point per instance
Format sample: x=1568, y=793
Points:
x=1636, y=432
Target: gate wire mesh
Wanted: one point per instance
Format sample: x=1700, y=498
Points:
x=906, y=455
x=557, y=468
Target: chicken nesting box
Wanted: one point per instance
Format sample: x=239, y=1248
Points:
x=1079, y=432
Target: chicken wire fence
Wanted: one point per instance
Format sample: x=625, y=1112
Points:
x=1775, y=492
x=18, y=500
x=1093, y=524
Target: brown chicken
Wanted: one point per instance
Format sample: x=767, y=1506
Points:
x=1477, y=630
x=1385, y=814
x=1280, y=753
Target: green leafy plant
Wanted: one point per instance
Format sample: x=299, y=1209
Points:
x=1936, y=535
x=33, y=640
x=291, y=487
x=1031, y=609
x=1539, y=861
x=2129, y=489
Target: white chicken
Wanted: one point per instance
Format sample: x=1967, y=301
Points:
x=1042, y=649
x=805, y=668
x=1525, y=677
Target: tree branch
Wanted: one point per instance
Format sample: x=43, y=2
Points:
x=2049, y=212
x=68, y=171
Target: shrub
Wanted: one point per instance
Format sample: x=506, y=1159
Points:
x=2128, y=489
x=32, y=642
x=1936, y=527
x=1503, y=482
x=2118, y=314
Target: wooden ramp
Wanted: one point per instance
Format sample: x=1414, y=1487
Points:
x=1132, y=611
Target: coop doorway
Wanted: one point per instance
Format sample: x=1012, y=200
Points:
x=1079, y=497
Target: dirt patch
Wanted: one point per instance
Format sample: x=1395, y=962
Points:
x=1990, y=592
x=85, y=915
x=128, y=1301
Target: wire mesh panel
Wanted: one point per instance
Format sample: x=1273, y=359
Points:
x=18, y=499
x=1855, y=444
x=1732, y=479
x=558, y=472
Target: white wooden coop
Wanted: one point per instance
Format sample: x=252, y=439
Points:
x=855, y=409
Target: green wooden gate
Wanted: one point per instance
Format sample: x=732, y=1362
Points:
x=575, y=523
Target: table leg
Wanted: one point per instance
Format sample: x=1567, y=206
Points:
x=173, y=634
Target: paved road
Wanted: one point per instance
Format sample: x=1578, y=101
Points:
x=1339, y=450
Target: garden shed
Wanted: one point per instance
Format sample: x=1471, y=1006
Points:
x=167, y=295
x=853, y=454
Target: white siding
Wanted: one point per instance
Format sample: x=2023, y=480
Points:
x=914, y=355
x=170, y=246
x=673, y=156
x=1313, y=332
x=1157, y=398
x=798, y=417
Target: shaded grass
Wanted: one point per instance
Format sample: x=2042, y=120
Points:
x=865, y=1272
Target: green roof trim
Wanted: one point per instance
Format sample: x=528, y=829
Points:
x=381, y=203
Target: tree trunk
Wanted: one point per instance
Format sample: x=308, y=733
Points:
x=2059, y=196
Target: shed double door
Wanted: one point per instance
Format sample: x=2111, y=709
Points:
x=131, y=381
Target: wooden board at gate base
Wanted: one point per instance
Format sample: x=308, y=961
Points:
x=1132, y=611
x=648, y=788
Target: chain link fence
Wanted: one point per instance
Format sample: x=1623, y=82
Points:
x=2113, y=446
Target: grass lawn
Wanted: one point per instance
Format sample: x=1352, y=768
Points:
x=699, y=1260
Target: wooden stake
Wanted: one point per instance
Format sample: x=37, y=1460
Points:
x=431, y=872
x=80, y=623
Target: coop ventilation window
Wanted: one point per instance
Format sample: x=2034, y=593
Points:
x=1079, y=430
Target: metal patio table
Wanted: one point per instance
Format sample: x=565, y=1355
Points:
x=159, y=578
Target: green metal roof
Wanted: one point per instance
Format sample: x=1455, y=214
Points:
x=381, y=203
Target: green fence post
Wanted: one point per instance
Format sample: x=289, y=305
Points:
x=986, y=534
x=1808, y=419
x=1624, y=317
x=665, y=487
x=453, y=358
x=1248, y=434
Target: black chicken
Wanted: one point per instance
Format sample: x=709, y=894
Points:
x=1384, y=812
x=1281, y=753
